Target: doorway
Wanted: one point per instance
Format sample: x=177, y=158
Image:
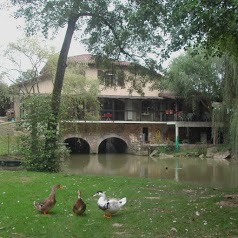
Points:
x=145, y=132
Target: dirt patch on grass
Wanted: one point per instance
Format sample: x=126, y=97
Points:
x=25, y=179
x=229, y=201
x=189, y=191
x=117, y=225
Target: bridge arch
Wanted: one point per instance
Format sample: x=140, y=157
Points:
x=77, y=145
x=112, y=144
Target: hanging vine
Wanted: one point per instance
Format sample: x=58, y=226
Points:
x=225, y=115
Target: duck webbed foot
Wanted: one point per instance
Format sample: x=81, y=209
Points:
x=107, y=215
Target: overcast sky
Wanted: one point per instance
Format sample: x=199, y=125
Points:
x=11, y=31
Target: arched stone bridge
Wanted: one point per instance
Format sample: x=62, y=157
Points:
x=98, y=138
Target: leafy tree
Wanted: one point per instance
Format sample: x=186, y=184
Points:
x=195, y=77
x=212, y=24
x=36, y=113
x=109, y=24
x=225, y=113
x=26, y=53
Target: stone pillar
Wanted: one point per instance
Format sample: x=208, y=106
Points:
x=93, y=145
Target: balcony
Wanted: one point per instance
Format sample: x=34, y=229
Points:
x=133, y=115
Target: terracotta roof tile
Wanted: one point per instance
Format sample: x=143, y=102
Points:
x=88, y=58
x=85, y=58
x=168, y=94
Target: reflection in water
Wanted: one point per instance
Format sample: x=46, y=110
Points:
x=112, y=161
x=177, y=168
x=215, y=173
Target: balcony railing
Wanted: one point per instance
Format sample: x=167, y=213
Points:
x=133, y=115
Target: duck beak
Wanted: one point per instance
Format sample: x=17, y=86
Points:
x=61, y=186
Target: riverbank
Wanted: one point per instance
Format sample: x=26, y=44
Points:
x=155, y=207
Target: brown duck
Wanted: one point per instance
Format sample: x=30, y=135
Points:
x=79, y=206
x=46, y=205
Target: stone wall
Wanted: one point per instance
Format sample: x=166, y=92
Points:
x=131, y=134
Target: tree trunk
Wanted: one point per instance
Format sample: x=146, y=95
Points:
x=51, y=137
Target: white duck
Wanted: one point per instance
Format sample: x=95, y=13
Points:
x=109, y=206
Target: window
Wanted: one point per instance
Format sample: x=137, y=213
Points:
x=111, y=78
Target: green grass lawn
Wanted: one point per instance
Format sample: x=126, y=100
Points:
x=155, y=208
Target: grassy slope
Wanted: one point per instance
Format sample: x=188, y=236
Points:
x=155, y=208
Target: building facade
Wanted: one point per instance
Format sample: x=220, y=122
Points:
x=133, y=117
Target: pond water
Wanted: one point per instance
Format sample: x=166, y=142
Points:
x=216, y=173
